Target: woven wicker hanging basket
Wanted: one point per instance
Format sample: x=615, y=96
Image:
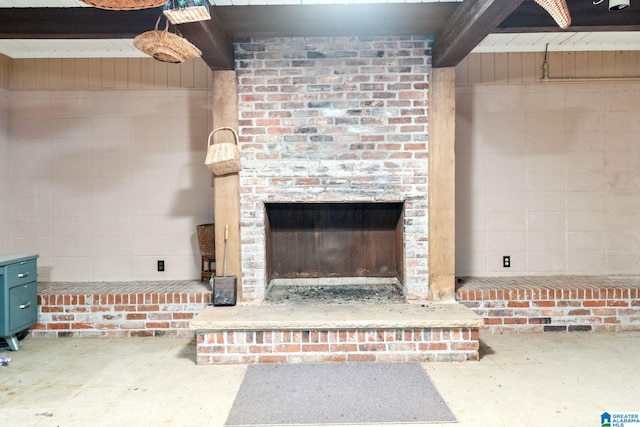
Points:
x=207, y=239
x=558, y=10
x=223, y=158
x=165, y=46
x=124, y=4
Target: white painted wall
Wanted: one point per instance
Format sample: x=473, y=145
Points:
x=548, y=173
x=104, y=183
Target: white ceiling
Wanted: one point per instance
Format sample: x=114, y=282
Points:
x=103, y=48
x=560, y=41
x=119, y=48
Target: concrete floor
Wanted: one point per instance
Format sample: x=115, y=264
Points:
x=521, y=380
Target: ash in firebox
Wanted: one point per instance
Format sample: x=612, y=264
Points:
x=290, y=292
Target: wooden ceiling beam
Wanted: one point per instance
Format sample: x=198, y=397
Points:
x=211, y=38
x=349, y=19
x=472, y=21
x=92, y=23
x=75, y=23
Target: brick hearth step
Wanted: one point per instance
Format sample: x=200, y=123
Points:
x=336, y=333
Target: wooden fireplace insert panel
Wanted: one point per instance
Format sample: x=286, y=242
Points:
x=307, y=240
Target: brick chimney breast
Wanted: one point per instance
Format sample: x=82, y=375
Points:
x=340, y=119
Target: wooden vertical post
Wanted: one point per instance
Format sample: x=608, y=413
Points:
x=226, y=189
x=442, y=215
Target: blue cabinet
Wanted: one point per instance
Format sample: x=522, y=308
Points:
x=18, y=296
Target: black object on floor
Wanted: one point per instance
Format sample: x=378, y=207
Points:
x=337, y=393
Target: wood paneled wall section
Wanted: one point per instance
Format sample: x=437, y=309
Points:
x=105, y=73
x=526, y=67
x=5, y=71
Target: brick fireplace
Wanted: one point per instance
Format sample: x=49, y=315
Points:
x=334, y=120
x=333, y=134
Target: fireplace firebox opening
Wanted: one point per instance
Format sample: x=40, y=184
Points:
x=331, y=240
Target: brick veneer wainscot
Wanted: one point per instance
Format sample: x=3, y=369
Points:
x=333, y=119
x=554, y=303
x=119, y=309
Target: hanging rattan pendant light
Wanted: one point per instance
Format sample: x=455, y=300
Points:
x=558, y=10
x=125, y=4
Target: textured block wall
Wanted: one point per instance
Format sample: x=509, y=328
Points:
x=5, y=173
x=547, y=173
x=333, y=119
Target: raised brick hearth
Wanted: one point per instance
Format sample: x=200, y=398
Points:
x=436, y=332
x=338, y=345
x=505, y=304
x=336, y=333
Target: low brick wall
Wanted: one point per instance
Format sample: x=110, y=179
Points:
x=337, y=345
x=554, y=303
x=507, y=304
x=119, y=309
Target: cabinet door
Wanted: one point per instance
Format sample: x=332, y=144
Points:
x=23, y=307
